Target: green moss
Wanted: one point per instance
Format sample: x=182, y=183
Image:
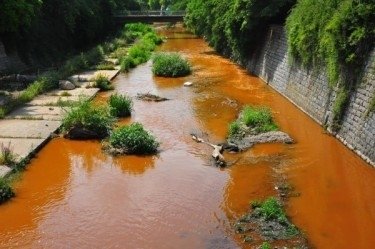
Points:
x=339, y=107
x=133, y=139
x=170, y=65
x=371, y=107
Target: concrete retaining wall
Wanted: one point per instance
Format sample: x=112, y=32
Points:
x=309, y=90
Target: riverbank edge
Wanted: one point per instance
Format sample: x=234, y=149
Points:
x=49, y=99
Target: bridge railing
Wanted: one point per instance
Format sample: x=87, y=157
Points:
x=150, y=13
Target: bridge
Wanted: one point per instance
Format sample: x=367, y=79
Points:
x=149, y=16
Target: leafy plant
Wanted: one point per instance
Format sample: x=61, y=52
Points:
x=134, y=139
x=6, y=191
x=170, y=65
x=84, y=114
x=120, y=105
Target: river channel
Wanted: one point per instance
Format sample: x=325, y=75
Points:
x=73, y=195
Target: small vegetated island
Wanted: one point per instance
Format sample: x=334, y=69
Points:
x=267, y=222
x=255, y=125
x=170, y=65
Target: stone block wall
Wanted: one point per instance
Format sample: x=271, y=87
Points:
x=309, y=90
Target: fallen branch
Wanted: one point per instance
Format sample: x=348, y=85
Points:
x=216, y=153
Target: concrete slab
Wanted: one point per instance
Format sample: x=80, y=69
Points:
x=89, y=92
x=35, y=111
x=90, y=75
x=22, y=147
x=51, y=100
x=19, y=128
x=4, y=170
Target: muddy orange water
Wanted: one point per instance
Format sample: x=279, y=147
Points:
x=74, y=196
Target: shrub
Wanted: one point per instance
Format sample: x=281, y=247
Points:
x=102, y=82
x=259, y=118
x=170, y=65
x=120, y=105
x=140, y=53
x=84, y=114
x=6, y=191
x=127, y=63
x=134, y=140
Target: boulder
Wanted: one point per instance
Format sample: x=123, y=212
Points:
x=268, y=137
x=66, y=85
x=81, y=133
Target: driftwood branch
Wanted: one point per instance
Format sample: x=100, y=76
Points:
x=216, y=153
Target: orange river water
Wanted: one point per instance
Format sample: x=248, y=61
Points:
x=73, y=195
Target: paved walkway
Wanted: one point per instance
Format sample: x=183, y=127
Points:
x=28, y=128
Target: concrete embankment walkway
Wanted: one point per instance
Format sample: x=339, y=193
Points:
x=28, y=128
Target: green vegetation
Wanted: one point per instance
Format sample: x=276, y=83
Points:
x=252, y=120
x=234, y=128
x=7, y=156
x=370, y=109
x=336, y=34
x=102, y=82
x=146, y=41
x=120, y=105
x=339, y=107
x=272, y=210
x=2, y=113
x=86, y=115
x=6, y=191
x=258, y=118
x=133, y=139
x=265, y=245
x=170, y=65
x=234, y=27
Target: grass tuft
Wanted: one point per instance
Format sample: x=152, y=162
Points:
x=259, y=118
x=134, y=139
x=6, y=191
x=84, y=114
x=234, y=128
x=7, y=157
x=120, y=105
x=103, y=83
x=170, y=65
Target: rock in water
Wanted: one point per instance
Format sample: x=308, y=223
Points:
x=66, y=85
x=269, y=137
x=188, y=83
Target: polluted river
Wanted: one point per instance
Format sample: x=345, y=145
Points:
x=73, y=195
